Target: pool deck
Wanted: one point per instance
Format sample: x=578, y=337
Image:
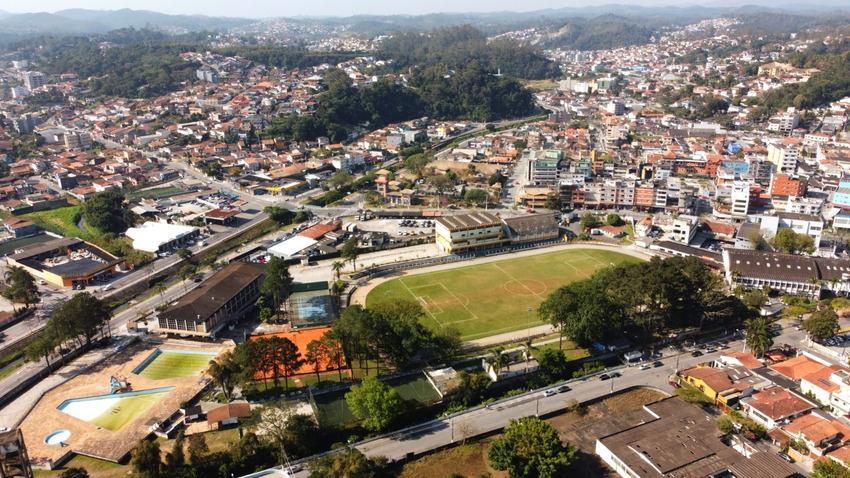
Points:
x=88, y=439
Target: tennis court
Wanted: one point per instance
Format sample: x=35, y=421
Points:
x=331, y=408
x=310, y=305
x=415, y=387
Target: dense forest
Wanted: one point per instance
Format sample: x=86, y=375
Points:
x=831, y=84
x=467, y=93
x=455, y=47
x=604, y=32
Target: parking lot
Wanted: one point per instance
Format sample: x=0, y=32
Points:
x=399, y=230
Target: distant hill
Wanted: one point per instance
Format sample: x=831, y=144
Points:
x=82, y=21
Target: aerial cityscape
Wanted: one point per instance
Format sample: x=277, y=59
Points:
x=441, y=239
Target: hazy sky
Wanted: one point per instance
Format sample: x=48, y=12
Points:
x=278, y=8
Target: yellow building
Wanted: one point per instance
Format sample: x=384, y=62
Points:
x=468, y=232
x=715, y=384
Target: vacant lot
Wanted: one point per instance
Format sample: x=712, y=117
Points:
x=496, y=297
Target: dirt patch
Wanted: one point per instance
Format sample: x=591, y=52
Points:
x=469, y=460
x=603, y=418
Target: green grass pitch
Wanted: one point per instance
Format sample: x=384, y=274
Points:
x=125, y=411
x=175, y=364
x=497, y=297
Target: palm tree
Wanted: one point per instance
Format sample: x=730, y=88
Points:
x=527, y=347
x=758, y=335
x=337, y=267
x=224, y=370
x=499, y=360
x=160, y=289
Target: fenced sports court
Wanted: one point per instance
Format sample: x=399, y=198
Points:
x=311, y=304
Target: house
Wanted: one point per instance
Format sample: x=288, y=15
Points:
x=612, y=231
x=20, y=227
x=819, y=434
x=773, y=405
x=829, y=385
x=798, y=367
x=228, y=414
x=193, y=413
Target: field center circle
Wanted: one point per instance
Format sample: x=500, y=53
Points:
x=525, y=287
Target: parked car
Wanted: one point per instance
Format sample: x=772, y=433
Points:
x=645, y=366
x=604, y=376
x=657, y=363
x=673, y=384
x=563, y=388
x=710, y=350
x=549, y=393
x=785, y=457
x=696, y=353
x=614, y=374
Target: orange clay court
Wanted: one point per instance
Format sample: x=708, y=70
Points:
x=301, y=338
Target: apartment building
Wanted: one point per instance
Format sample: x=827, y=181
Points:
x=468, y=232
x=787, y=185
x=783, y=156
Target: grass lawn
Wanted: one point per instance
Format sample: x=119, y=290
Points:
x=170, y=364
x=156, y=192
x=125, y=411
x=96, y=468
x=489, y=299
x=60, y=220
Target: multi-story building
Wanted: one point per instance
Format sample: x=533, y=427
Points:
x=34, y=79
x=841, y=196
x=544, y=166
x=783, y=156
x=468, y=232
x=798, y=205
x=788, y=273
x=784, y=122
x=787, y=185
x=684, y=228
x=219, y=301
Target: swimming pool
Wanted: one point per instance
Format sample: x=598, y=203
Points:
x=58, y=437
x=113, y=412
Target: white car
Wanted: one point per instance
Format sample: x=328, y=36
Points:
x=549, y=393
x=645, y=366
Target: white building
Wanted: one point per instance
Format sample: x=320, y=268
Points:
x=291, y=247
x=800, y=205
x=158, y=236
x=684, y=228
x=810, y=225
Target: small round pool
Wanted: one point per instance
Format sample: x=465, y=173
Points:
x=57, y=437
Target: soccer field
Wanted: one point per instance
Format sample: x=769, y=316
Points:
x=164, y=364
x=497, y=297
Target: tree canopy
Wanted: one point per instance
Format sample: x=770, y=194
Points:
x=21, y=287
x=822, y=324
x=787, y=240
x=374, y=403
x=106, y=212
x=531, y=448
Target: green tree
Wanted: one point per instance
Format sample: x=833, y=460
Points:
x=146, y=459
x=278, y=282
x=224, y=371
x=554, y=365
x=471, y=387
x=75, y=472
x=531, y=448
x=186, y=272
x=553, y=202
x=758, y=333
x=41, y=348
x=197, y=447
x=374, y=403
x=584, y=311
x=278, y=214
x=754, y=299
x=352, y=464
x=588, y=220
x=184, y=253
x=350, y=252
x=613, y=220
x=21, y=286
x=822, y=324
x=106, y=212
x=829, y=469
x=725, y=424
x=337, y=267
x=316, y=356
x=333, y=349
x=476, y=197
x=176, y=458
x=82, y=315
x=341, y=180
x=793, y=243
